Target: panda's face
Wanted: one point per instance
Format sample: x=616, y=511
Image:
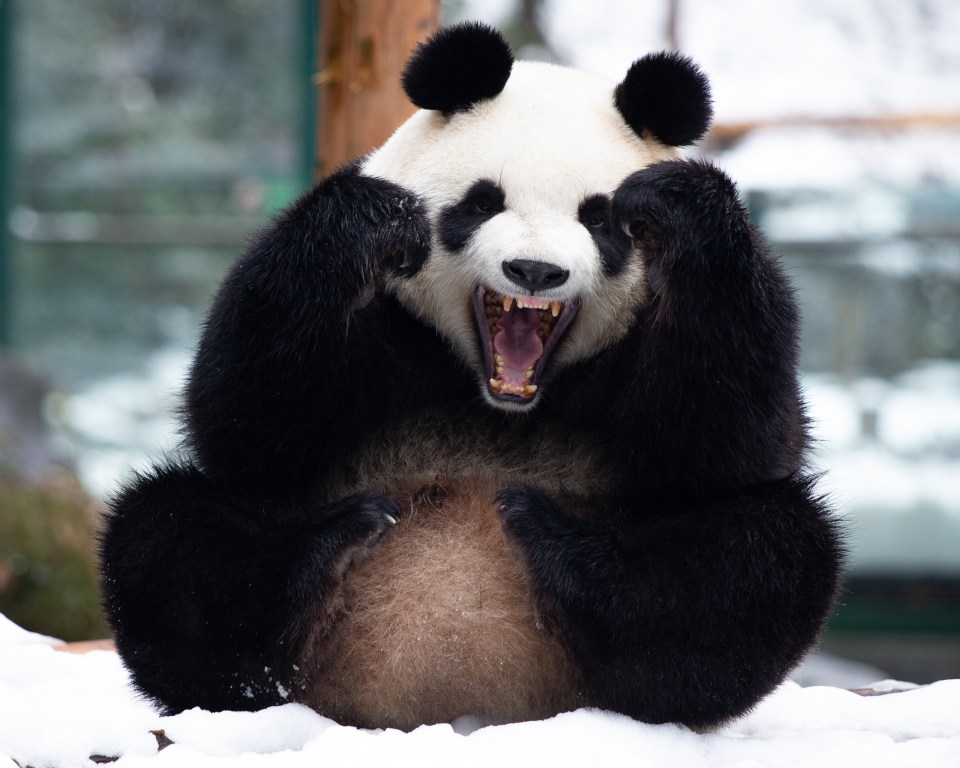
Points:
x=527, y=272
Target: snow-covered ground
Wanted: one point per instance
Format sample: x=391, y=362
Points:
x=59, y=709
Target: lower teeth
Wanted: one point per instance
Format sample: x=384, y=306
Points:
x=523, y=390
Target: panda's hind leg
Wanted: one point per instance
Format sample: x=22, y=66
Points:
x=211, y=596
x=688, y=613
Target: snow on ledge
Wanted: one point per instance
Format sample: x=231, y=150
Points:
x=60, y=709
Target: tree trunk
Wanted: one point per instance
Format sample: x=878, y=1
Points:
x=364, y=45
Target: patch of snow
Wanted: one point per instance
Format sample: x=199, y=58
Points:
x=811, y=157
x=58, y=709
x=122, y=424
x=823, y=669
x=890, y=450
x=12, y=634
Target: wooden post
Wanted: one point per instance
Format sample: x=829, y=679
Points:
x=364, y=45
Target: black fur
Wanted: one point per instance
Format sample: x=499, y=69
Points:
x=205, y=586
x=257, y=406
x=458, y=67
x=685, y=594
x=665, y=95
x=458, y=223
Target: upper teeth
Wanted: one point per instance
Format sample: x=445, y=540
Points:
x=531, y=302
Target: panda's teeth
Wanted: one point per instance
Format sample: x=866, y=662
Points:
x=500, y=387
x=507, y=303
x=555, y=308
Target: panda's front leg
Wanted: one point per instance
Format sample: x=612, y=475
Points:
x=705, y=381
x=686, y=613
x=295, y=359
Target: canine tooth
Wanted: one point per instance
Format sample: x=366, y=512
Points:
x=507, y=303
x=529, y=390
x=555, y=308
x=528, y=373
x=496, y=385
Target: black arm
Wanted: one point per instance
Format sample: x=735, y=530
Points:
x=275, y=389
x=704, y=387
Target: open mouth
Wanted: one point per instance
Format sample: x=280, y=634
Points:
x=518, y=334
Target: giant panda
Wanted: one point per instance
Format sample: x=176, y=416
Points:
x=502, y=419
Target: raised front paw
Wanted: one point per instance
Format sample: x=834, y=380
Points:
x=366, y=227
x=402, y=242
x=681, y=211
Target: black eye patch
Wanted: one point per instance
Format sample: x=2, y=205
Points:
x=458, y=222
x=613, y=245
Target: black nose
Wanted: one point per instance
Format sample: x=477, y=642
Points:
x=535, y=275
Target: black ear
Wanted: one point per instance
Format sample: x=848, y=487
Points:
x=458, y=67
x=666, y=95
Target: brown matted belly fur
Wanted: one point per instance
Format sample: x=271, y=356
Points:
x=438, y=622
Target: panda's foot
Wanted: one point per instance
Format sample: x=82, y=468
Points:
x=562, y=552
x=529, y=516
x=351, y=528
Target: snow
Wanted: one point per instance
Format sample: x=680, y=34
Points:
x=58, y=709
x=118, y=424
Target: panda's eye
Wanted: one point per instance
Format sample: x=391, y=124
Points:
x=459, y=222
x=485, y=198
x=594, y=212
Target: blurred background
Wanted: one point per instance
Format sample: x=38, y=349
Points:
x=141, y=142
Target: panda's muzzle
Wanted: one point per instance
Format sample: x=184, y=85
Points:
x=518, y=335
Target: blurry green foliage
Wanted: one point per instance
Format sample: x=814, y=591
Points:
x=48, y=580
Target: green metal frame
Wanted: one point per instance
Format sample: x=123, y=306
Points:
x=899, y=605
x=6, y=165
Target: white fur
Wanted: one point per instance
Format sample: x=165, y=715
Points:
x=551, y=139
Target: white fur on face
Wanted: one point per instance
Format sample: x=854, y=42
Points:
x=550, y=140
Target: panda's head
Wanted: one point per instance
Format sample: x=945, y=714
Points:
x=517, y=163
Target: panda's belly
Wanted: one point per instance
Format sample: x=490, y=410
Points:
x=439, y=622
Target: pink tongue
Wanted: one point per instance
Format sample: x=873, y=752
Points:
x=518, y=343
